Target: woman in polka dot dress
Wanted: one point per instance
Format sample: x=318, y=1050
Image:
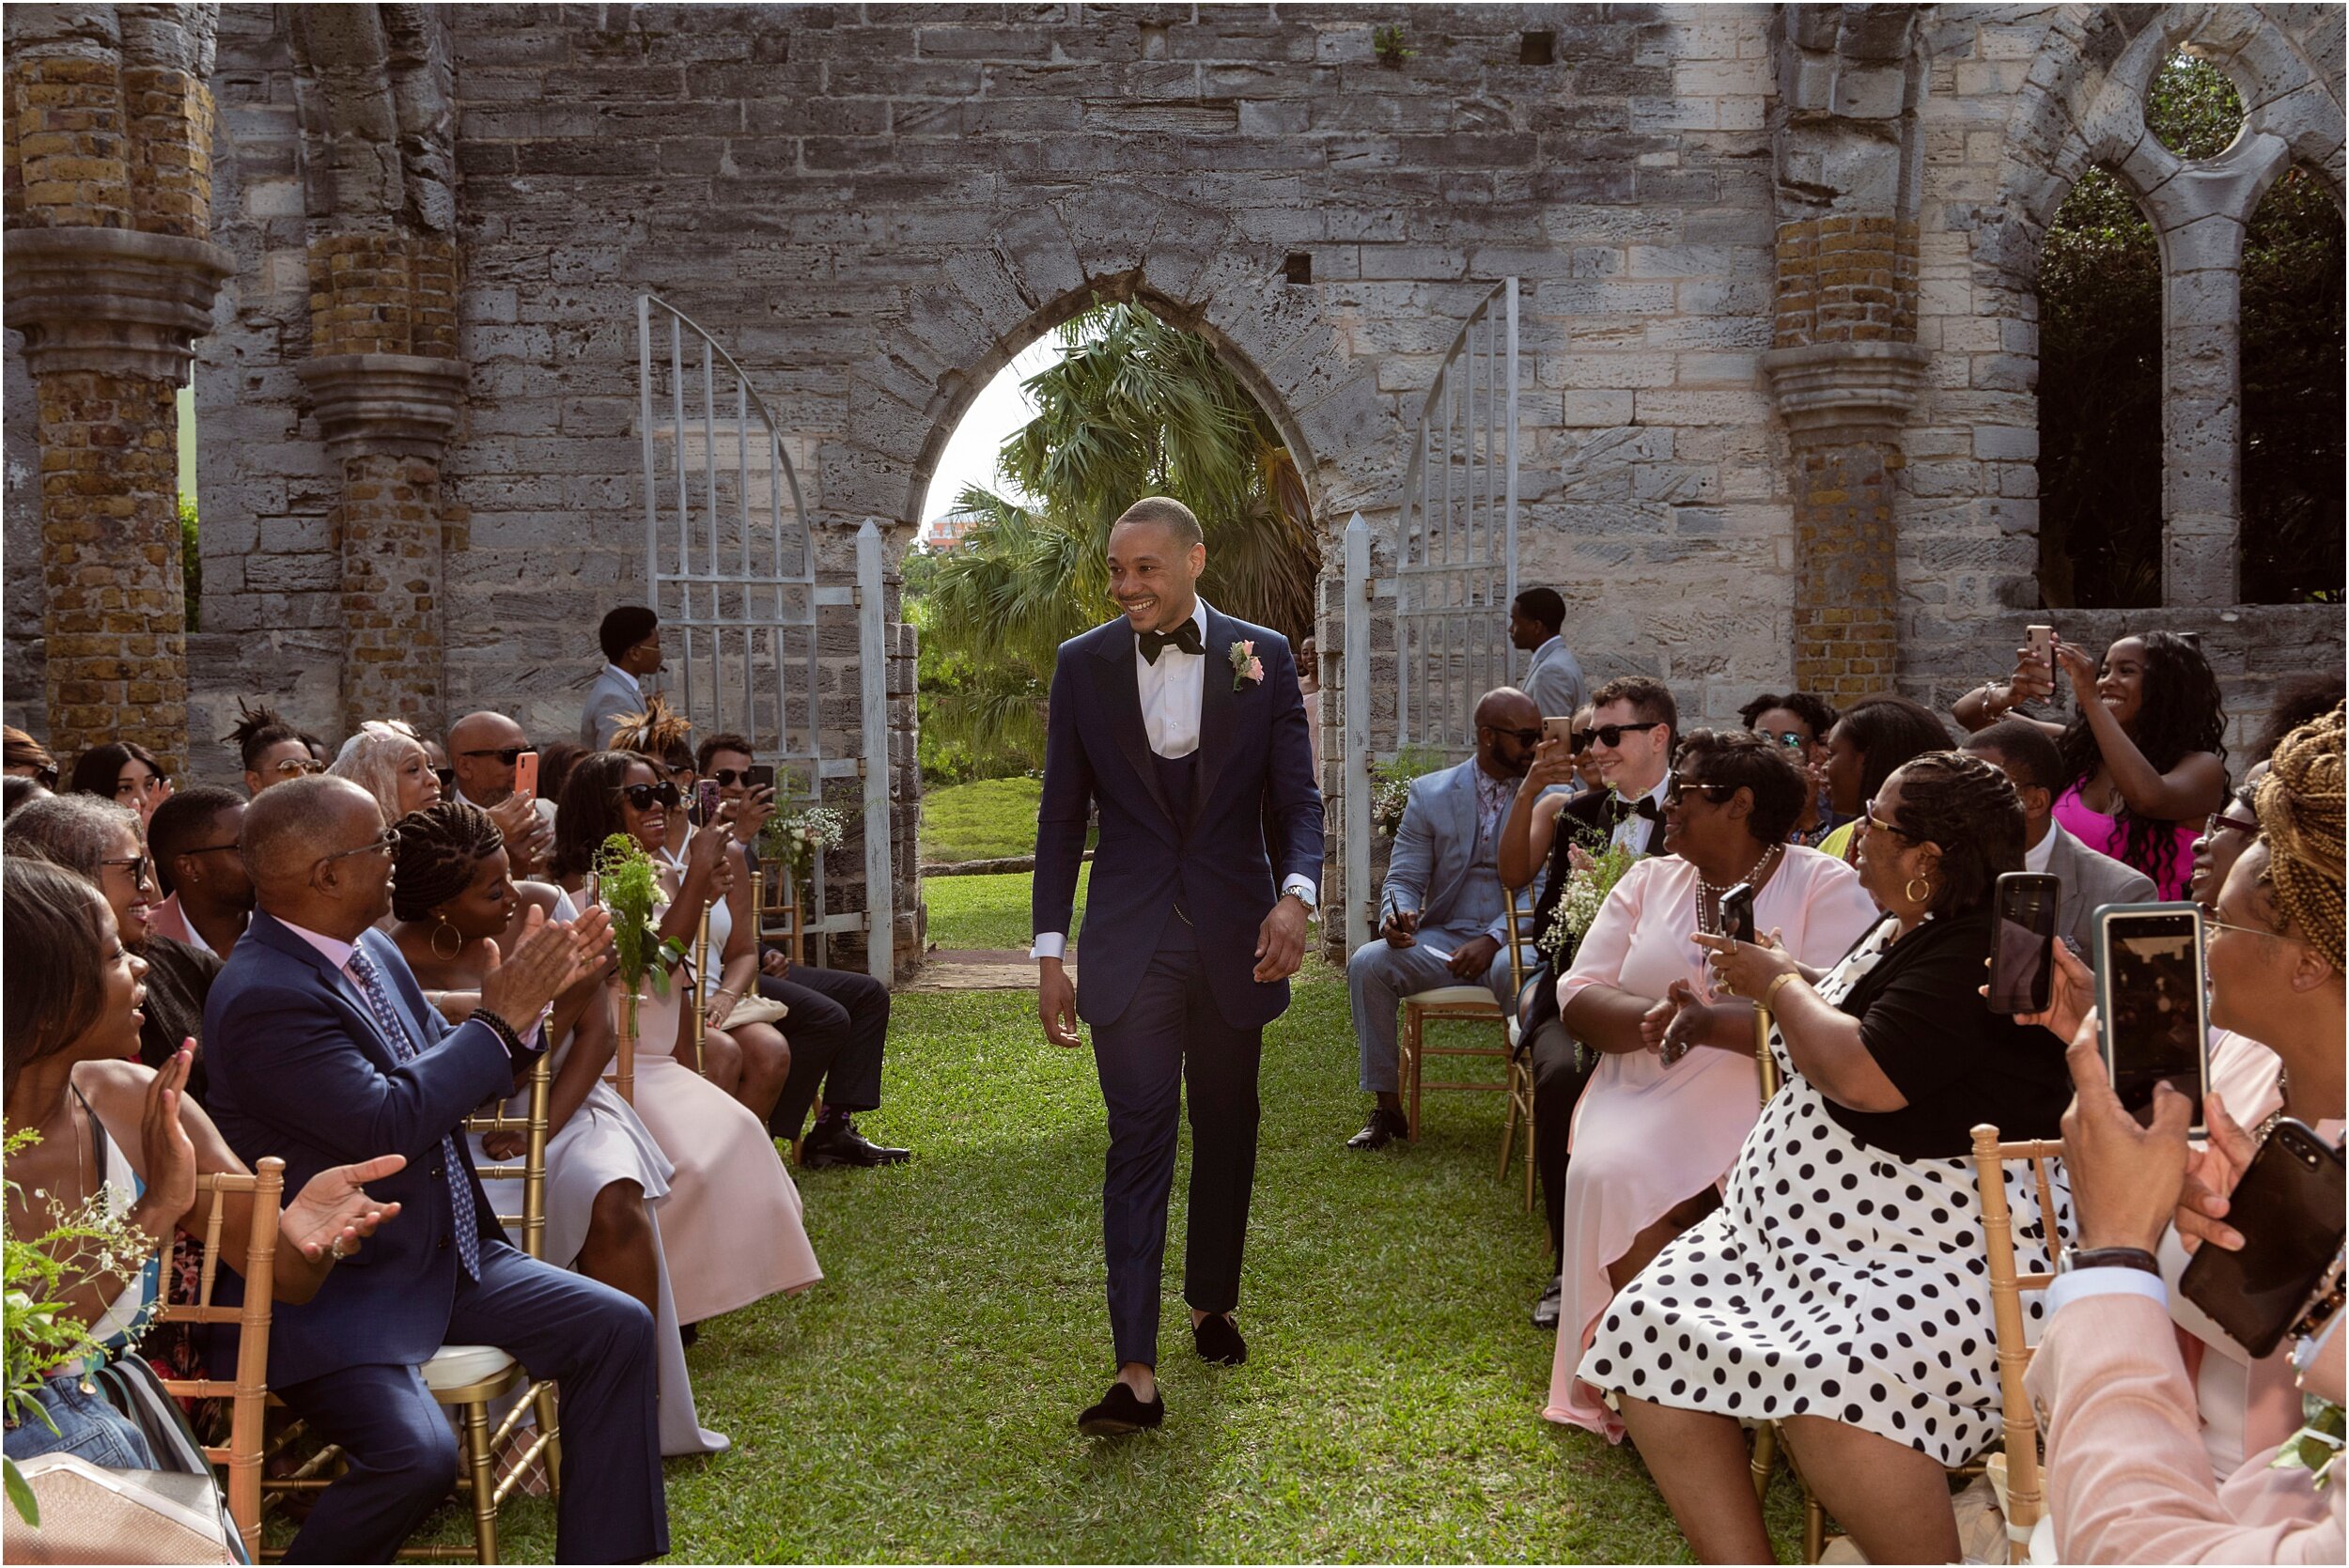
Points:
x=1842, y=1290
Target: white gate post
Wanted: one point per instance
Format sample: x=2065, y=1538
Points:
x=1357, y=830
x=881, y=910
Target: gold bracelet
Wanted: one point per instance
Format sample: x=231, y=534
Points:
x=1769, y=992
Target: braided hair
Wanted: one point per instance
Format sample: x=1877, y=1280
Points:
x=2300, y=807
x=2180, y=714
x=1968, y=808
x=441, y=848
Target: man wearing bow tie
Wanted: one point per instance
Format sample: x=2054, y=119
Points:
x=1185, y=730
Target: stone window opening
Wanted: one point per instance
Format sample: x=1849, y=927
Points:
x=1538, y=48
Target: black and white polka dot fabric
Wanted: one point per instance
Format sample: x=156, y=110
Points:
x=1833, y=1282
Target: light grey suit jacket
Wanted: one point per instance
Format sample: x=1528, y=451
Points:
x=1555, y=682
x=2091, y=879
x=608, y=700
x=1435, y=851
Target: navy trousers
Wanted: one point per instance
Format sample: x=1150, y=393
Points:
x=592, y=1340
x=1171, y=1037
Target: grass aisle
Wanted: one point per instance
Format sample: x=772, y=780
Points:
x=920, y=1403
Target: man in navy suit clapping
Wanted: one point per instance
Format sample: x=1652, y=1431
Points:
x=321, y=1044
x=1185, y=728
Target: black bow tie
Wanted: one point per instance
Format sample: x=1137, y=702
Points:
x=1644, y=807
x=1185, y=637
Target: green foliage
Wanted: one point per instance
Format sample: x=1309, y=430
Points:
x=1134, y=407
x=992, y=913
x=1387, y=43
x=190, y=564
x=2100, y=398
x=983, y=820
x=629, y=887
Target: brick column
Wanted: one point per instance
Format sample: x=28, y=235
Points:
x=1846, y=373
x=388, y=389
x=111, y=278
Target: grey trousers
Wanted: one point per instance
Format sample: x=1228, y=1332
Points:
x=1379, y=977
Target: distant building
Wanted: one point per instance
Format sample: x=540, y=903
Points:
x=947, y=533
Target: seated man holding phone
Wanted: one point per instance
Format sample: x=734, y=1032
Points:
x=1444, y=913
x=2028, y=756
x=494, y=767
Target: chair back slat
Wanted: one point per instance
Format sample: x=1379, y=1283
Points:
x=2024, y=1500
x=531, y=1174
x=1765, y=1063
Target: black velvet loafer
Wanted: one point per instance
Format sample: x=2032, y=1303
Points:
x=1218, y=1338
x=1120, y=1412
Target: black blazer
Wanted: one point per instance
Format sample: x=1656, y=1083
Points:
x=1584, y=819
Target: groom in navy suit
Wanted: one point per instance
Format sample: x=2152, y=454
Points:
x=1185, y=729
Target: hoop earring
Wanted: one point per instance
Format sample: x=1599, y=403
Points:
x=435, y=942
x=1909, y=890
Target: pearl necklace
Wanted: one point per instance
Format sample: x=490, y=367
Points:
x=1709, y=893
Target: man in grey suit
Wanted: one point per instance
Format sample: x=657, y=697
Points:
x=630, y=636
x=2028, y=756
x=1443, y=914
x=1555, y=681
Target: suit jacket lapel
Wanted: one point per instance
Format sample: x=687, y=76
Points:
x=273, y=933
x=1216, y=701
x=1121, y=695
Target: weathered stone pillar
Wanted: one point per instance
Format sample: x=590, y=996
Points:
x=388, y=389
x=110, y=277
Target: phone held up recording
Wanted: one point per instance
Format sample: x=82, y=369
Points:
x=1737, y=913
x=2022, y=943
x=2150, y=1003
x=2288, y=1207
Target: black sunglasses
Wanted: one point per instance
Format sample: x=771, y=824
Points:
x=1523, y=737
x=506, y=754
x=211, y=848
x=1611, y=734
x=1869, y=819
x=1675, y=785
x=447, y=777
x=642, y=796
x=138, y=868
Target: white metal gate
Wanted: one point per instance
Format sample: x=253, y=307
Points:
x=1456, y=557
x=731, y=567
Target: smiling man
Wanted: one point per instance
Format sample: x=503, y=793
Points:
x=1185, y=729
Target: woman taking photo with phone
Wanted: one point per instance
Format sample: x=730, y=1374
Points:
x=1838, y=1290
x=2143, y=760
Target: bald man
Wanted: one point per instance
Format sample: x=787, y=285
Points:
x=483, y=751
x=320, y=1042
x=1443, y=914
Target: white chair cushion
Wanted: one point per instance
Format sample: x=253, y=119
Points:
x=458, y=1366
x=1452, y=996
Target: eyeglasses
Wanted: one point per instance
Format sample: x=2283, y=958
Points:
x=1868, y=818
x=1611, y=734
x=1674, y=784
x=2211, y=923
x=138, y=868
x=506, y=754
x=2219, y=819
x=641, y=795
x=1793, y=740
x=387, y=846
x=288, y=767
x=211, y=848
x=1523, y=737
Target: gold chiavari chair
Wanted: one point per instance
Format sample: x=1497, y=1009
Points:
x=696, y=999
x=2022, y=1499
x=1469, y=1004
x=1765, y=1444
x=248, y=1391
x=1520, y=1082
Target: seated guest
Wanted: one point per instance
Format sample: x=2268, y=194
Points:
x=15, y=790
x=72, y=1002
x=605, y=1176
x=125, y=772
x=1800, y=721
x=321, y=1040
x=554, y=766
x=484, y=749
x=1874, y=736
x=839, y=1021
x=388, y=761
x=2033, y=765
x=1853, y=1309
x=1583, y=740
x=272, y=751
x=1443, y=914
x=2144, y=758
x=1554, y=682
x=208, y=897
x=23, y=757
x=630, y=636
x=99, y=841
x=731, y=1227
x=2298, y=700
x=1628, y=736
x=1675, y=1089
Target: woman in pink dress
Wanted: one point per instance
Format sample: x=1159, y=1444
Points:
x=1675, y=1090
x=2143, y=761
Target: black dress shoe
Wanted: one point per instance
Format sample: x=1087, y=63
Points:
x=1120, y=1412
x=1545, y=1310
x=1383, y=1128
x=1218, y=1338
x=840, y=1143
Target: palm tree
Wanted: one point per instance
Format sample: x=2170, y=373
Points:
x=1134, y=407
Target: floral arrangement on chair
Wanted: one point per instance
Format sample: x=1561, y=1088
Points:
x=629, y=888
x=794, y=837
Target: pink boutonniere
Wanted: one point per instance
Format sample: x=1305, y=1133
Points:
x=1247, y=669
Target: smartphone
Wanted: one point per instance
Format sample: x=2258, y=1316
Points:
x=526, y=775
x=1559, y=729
x=2150, y=1006
x=759, y=775
x=1738, y=913
x=2022, y=942
x=2043, y=647
x=2288, y=1206
x=706, y=795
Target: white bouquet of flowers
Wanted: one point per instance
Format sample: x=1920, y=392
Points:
x=1589, y=879
x=797, y=837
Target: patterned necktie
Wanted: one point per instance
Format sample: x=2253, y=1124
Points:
x=467, y=1226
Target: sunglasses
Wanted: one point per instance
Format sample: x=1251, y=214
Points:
x=1523, y=737
x=288, y=767
x=1611, y=734
x=386, y=846
x=447, y=777
x=641, y=797
x=1869, y=818
x=1793, y=740
x=726, y=778
x=138, y=863
x=506, y=754
x=211, y=848
x=1676, y=784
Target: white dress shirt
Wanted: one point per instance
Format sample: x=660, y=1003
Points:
x=615, y=670
x=1173, y=690
x=2036, y=857
x=1631, y=832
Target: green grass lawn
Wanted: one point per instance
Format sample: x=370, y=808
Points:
x=983, y=820
x=920, y=1403
x=987, y=912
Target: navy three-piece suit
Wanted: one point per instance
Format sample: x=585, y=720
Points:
x=301, y=1069
x=1181, y=885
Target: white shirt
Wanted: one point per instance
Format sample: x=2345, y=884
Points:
x=2036, y=857
x=1173, y=690
x=1631, y=832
